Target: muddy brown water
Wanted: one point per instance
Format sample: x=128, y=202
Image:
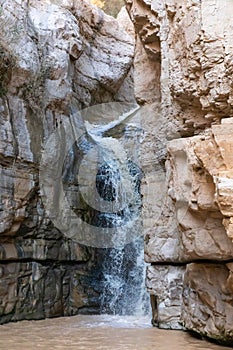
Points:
x=96, y=333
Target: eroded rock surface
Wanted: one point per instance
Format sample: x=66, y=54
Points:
x=184, y=55
x=207, y=300
x=56, y=57
x=165, y=285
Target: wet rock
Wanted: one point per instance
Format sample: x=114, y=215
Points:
x=36, y=290
x=56, y=57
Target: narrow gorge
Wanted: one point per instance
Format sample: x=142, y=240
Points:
x=115, y=162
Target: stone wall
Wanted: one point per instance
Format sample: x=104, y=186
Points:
x=184, y=60
x=56, y=57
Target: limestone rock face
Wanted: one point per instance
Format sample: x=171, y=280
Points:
x=56, y=57
x=207, y=300
x=196, y=229
x=184, y=57
x=194, y=48
x=219, y=141
x=165, y=285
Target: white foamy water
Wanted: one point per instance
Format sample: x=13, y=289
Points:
x=114, y=321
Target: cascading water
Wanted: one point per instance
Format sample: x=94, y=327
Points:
x=115, y=208
x=123, y=272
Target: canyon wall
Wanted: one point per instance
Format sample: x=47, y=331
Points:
x=183, y=72
x=56, y=57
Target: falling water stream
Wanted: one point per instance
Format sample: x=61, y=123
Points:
x=119, y=178
x=124, y=291
x=125, y=320
x=102, y=177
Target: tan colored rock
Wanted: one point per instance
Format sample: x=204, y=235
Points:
x=125, y=22
x=219, y=165
x=193, y=229
x=191, y=45
x=147, y=61
x=146, y=90
x=207, y=301
x=165, y=284
x=195, y=52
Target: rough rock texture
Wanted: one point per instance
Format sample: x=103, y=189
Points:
x=207, y=300
x=196, y=230
x=35, y=290
x=165, y=285
x=184, y=59
x=55, y=58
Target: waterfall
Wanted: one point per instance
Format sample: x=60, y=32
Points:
x=101, y=178
x=123, y=268
x=123, y=282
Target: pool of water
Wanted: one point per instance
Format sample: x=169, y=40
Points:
x=96, y=333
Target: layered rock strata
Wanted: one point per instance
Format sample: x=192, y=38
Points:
x=186, y=71
x=56, y=57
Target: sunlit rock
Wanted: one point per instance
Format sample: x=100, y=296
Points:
x=184, y=49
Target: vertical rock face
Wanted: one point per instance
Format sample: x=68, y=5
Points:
x=186, y=59
x=207, y=301
x=165, y=283
x=56, y=57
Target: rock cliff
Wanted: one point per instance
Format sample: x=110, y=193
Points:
x=184, y=64
x=56, y=57
x=60, y=56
